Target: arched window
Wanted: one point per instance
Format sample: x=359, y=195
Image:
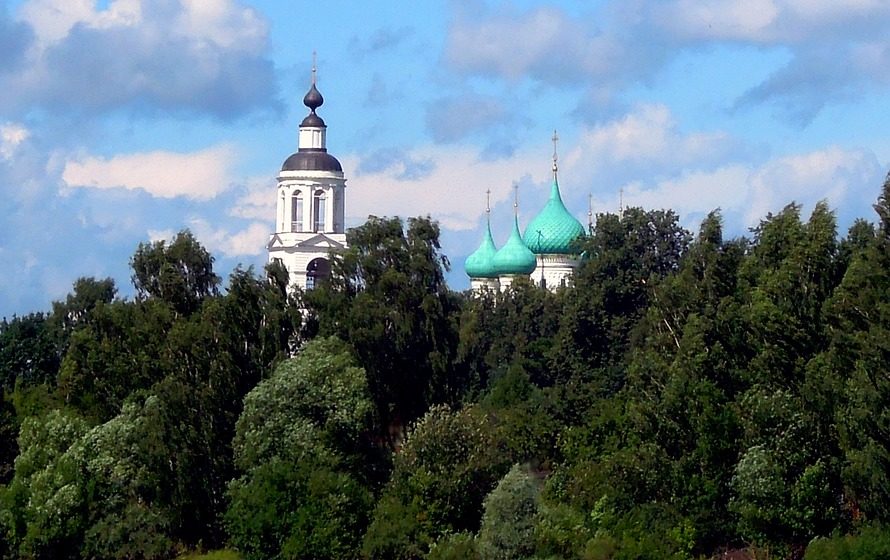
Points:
x=319, y=210
x=318, y=270
x=296, y=212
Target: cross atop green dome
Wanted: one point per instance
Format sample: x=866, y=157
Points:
x=554, y=230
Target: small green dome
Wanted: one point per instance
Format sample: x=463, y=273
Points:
x=514, y=257
x=554, y=230
x=480, y=264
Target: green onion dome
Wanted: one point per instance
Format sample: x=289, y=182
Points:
x=554, y=230
x=514, y=257
x=480, y=264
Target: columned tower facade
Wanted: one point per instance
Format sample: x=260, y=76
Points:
x=310, y=203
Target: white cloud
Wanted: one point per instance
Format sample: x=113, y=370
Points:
x=647, y=134
x=155, y=235
x=695, y=191
x=250, y=241
x=453, y=192
x=831, y=173
x=223, y=22
x=752, y=191
x=613, y=44
x=257, y=201
x=52, y=20
x=220, y=239
x=11, y=135
x=198, y=175
x=545, y=43
x=718, y=19
x=187, y=55
x=765, y=21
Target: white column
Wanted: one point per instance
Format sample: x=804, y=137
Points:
x=288, y=201
x=281, y=214
x=329, y=209
x=305, y=207
x=341, y=209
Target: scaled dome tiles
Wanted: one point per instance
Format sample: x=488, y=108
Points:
x=514, y=257
x=480, y=264
x=554, y=229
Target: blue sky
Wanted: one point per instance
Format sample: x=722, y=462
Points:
x=124, y=121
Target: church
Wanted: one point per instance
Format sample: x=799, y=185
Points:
x=546, y=253
x=311, y=205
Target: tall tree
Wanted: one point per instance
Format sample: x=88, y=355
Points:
x=623, y=258
x=28, y=351
x=299, y=445
x=387, y=297
x=179, y=273
x=449, y=461
x=853, y=372
x=508, y=524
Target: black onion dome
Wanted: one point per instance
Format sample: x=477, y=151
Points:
x=311, y=160
x=314, y=121
x=313, y=98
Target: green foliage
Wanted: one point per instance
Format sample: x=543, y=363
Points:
x=388, y=298
x=303, y=510
x=650, y=532
x=42, y=514
x=317, y=400
x=852, y=374
x=508, y=524
x=449, y=461
x=86, y=295
x=121, y=350
x=683, y=398
x=179, y=273
x=28, y=351
x=512, y=328
x=624, y=258
x=455, y=546
x=870, y=543
x=215, y=555
x=296, y=440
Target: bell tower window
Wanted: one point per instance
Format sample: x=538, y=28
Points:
x=296, y=212
x=317, y=272
x=319, y=210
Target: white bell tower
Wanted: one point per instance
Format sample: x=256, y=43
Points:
x=310, y=202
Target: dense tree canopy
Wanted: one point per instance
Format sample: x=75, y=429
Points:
x=686, y=396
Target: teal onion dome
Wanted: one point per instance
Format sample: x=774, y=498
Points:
x=480, y=264
x=514, y=257
x=554, y=230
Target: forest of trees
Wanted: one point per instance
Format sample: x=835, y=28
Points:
x=690, y=396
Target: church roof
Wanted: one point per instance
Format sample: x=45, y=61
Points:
x=514, y=257
x=312, y=156
x=311, y=160
x=480, y=264
x=554, y=229
x=312, y=120
x=313, y=98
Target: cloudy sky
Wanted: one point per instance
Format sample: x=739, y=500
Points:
x=127, y=120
